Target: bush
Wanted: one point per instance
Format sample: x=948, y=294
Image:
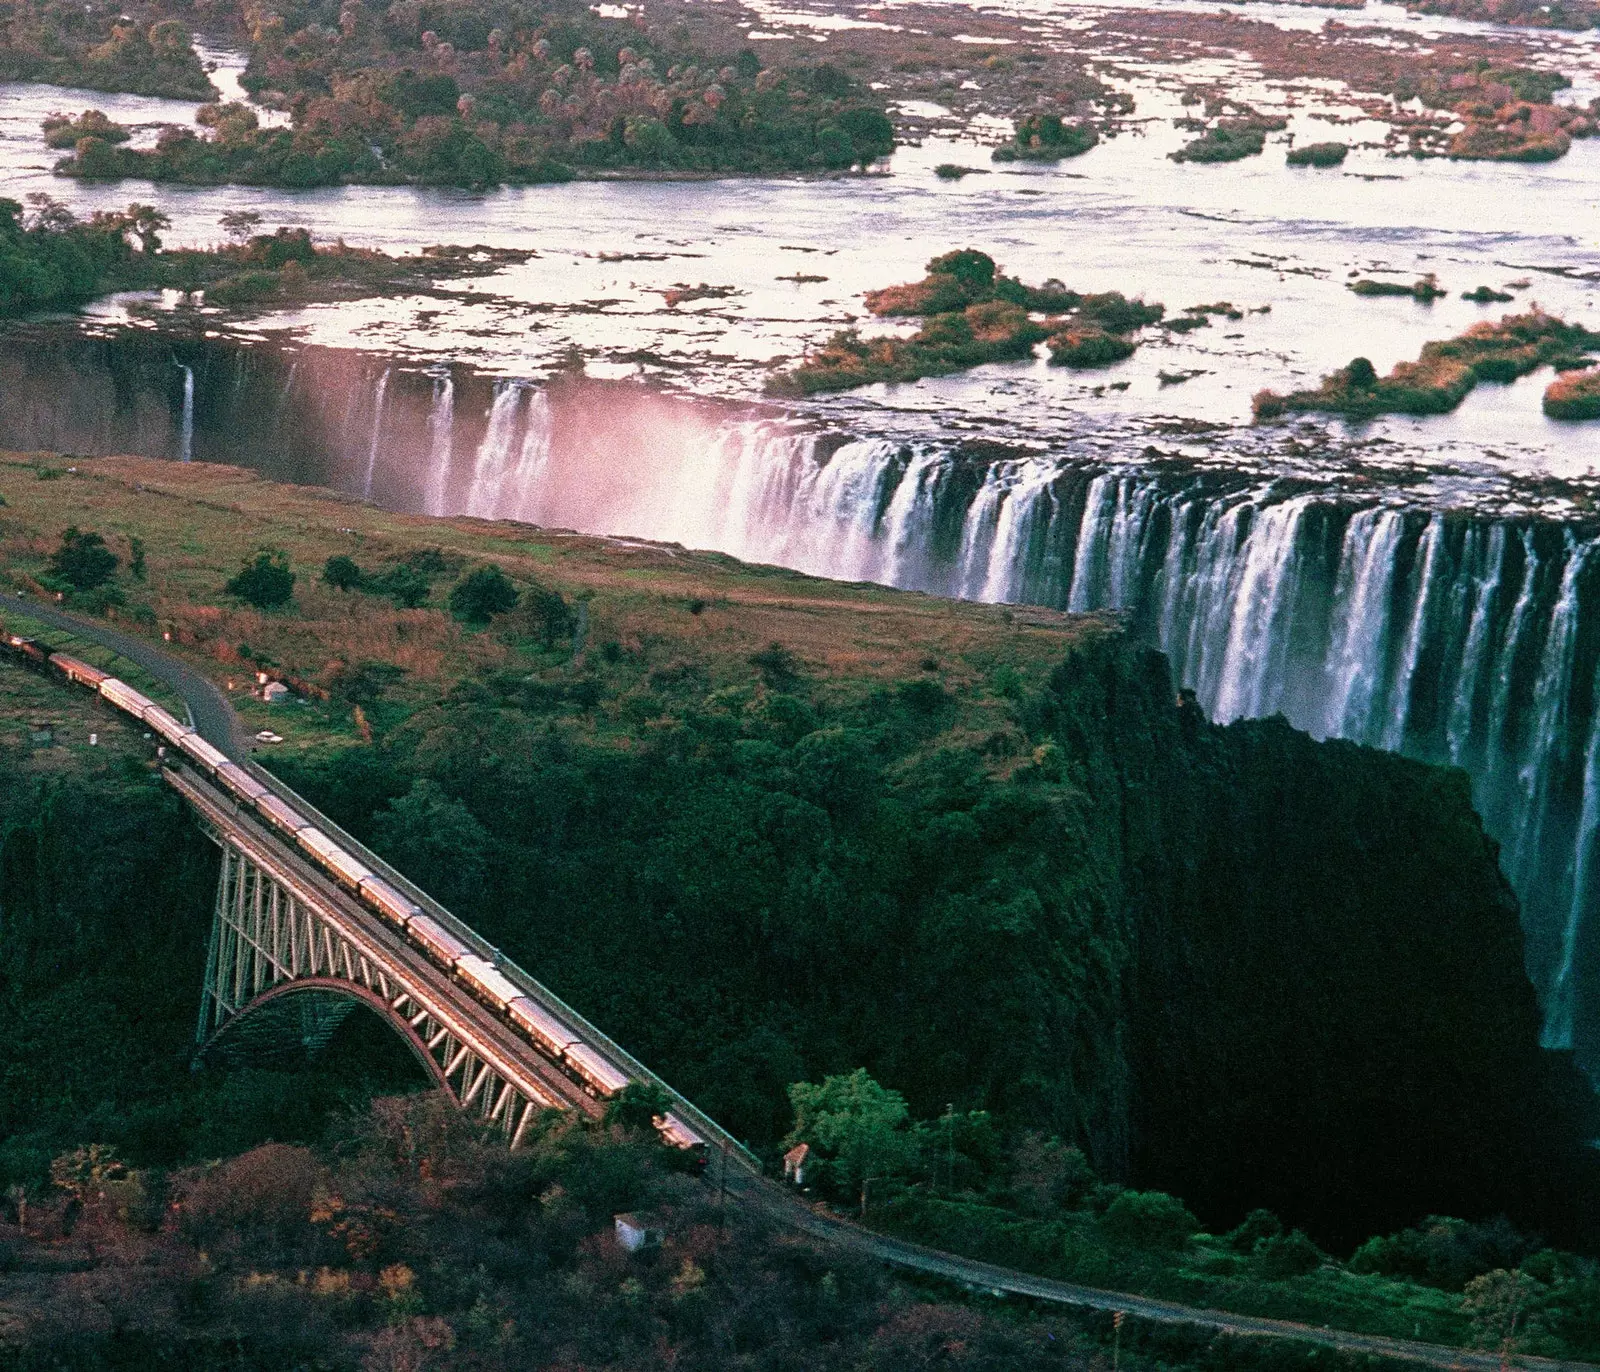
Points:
x=1574, y=396
x=341, y=573
x=1148, y=1219
x=1256, y=1226
x=83, y=561
x=1318, y=155
x=265, y=581
x=482, y=594
x=1288, y=1255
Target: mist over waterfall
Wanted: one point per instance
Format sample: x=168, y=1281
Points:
x=1454, y=636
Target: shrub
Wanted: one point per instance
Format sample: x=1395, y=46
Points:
x=83, y=561
x=1148, y=1219
x=482, y=594
x=1574, y=396
x=1288, y=1255
x=1045, y=138
x=341, y=573
x=1255, y=1227
x=1089, y=346
x=265, y=581
x=1318, y=155
x=1225, y=143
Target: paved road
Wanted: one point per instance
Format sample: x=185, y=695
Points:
x=210, y=712
x=214, y=717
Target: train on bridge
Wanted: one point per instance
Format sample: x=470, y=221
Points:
x=584, y=1063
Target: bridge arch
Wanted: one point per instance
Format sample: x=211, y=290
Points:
x=299, y=1017
x=291, y=956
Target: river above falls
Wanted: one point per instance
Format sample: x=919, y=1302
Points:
x=789, y=260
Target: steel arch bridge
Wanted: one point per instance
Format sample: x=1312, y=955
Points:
x=292, y=954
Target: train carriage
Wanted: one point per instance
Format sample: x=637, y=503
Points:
x=388, y=902
x=344, y=868
x=30, y=649
x=602, y=1076
x=443, y=946
x=281, y=815
x=75, y=670
x=235, y=779
x=203, y=754
x=120, y=694
x=487, y=980
x=679, y=1134
x=540, y=1025
x=166, y=725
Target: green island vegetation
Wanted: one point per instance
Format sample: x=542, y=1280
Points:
x=139, y=48
x=1487, y=295
x=1318, y=154
x=1426, y=289
x=1574, y=395
x=1506, y=112
x=1446, y=371
x=972, y=315
x=788, y=840
x=490, y=92
x=1045, y=138
x=51, y=260
x=1230, y=139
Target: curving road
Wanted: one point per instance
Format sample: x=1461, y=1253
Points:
x=213, y=716
x=210, y=711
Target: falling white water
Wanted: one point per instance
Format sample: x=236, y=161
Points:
x=1394, y=729
x=1474, y=655
x=1455, y=641
x=1361, y=621
x=377, y=432
x=1559, y=1017
x=491, y=469
x=441, y=443
x=186, y=436
x=1260, y=619
x=1537, y=778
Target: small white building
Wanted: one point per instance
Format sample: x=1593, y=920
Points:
x=635, y=1232
x=794, y=1163
x=274, y=691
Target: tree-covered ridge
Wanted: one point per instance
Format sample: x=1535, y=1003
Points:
x=493, y=91
x=100, y=46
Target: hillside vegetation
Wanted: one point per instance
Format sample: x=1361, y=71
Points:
x=763, y=828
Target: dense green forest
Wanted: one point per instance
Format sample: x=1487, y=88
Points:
x=140, y=48
x=1103, y=920
x=491, y=91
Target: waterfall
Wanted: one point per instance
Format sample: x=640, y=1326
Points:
x=491, y=469
x=1558, y=1030
x=1475, y=652
x=186, y=434
x=377, y=431
x=441, y=440
x=1361, y=599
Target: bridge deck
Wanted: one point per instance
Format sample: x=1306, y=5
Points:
x=494, y=1040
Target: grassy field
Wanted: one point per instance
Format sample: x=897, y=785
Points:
x=650, y=610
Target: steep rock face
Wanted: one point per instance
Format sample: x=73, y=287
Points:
x=1326, y=1010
